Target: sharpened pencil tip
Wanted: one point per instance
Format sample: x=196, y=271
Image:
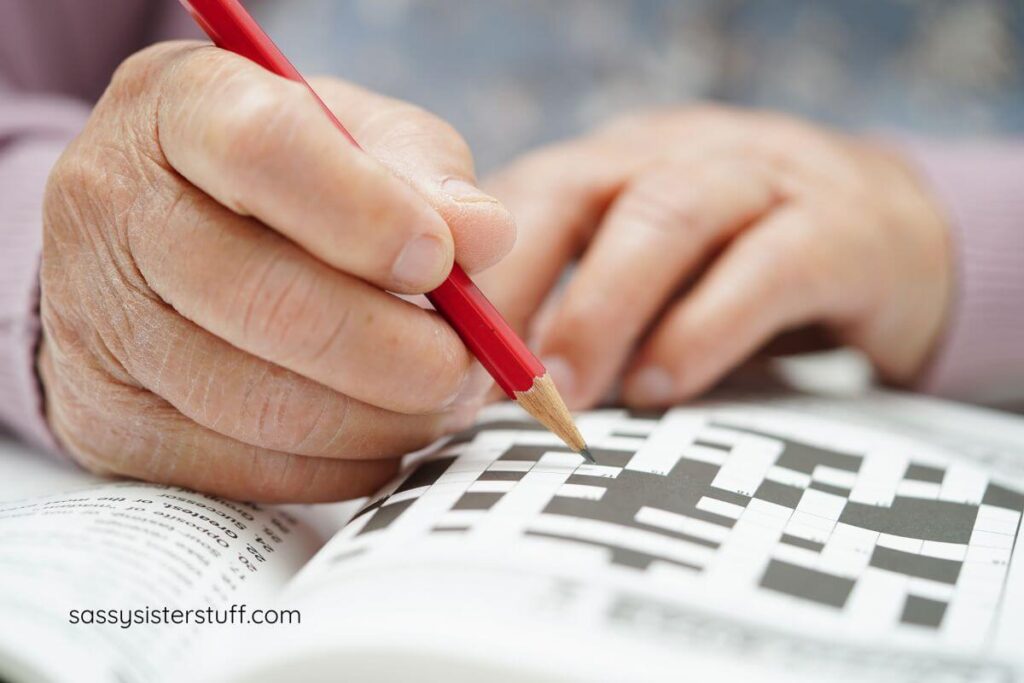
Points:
x=543, y=402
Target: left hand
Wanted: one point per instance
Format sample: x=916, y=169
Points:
x=704, y=233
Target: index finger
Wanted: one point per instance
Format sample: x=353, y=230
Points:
x=557, y=196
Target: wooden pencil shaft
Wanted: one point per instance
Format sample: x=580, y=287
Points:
x=544, y=403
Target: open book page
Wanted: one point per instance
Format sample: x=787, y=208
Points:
x=124, y=556
x=722, y=540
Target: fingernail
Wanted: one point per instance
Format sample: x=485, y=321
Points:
x=473, y=389
x=652, y=385
x=421, y=263
x=562, y=374
x=460, y=418
x=464, y=191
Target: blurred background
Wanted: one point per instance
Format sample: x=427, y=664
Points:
x=511, y=74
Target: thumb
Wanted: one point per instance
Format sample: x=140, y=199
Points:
x=432, y=157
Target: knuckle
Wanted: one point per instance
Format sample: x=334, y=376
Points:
x=280, y=313
x=656, y=203
x=285, y=412
x=409, y=126
x=259, y=123
x=135, y=75
x=566, y=168
x=328, y=335
x=283, y=316
x=243, y=128
x=73, y=178
x=90, y=437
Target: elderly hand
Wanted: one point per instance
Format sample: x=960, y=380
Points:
x=701, y=235
x=216, y=276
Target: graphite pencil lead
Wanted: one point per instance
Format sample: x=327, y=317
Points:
x=588, y=456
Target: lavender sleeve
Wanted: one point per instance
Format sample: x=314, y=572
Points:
x=980, y=356
x=33, y=132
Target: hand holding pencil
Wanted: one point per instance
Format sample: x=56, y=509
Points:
x=480, y=326
x=221, y=318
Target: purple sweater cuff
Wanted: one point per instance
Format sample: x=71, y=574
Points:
x=981, y=188
x=33, y=133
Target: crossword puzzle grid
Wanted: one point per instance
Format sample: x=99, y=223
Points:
x=894, y=543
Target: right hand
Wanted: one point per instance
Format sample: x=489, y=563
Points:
x=216, y=276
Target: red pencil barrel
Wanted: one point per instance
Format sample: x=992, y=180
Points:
x=485, y=332
x=479, y=325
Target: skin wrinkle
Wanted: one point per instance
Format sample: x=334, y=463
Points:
x=336, y=333
x=382, y=119
x=113, y=360
x=267, y=472
x=214, y=417
x=173, y=76
x=306, y=435
x=404, y=128
x=280, y=403
x=246, y=399
x=196, y=378
x=254, y=290
x=286, y=467
x=207, y=401
x=116, y=352
x=651, y=207
x=117, y=166
x=162, y=364
x=135, y=162
x=404, y=139
x=240, y=293
x=155, y=223
x=127, y=284
x=337, y=440
x=314, y=468
x=834, y=180
x=261, y=421
x=271, y=319
x=162, y=440
x=71, y=350
x=57, y=414
x=160, y=457
x=77, y=415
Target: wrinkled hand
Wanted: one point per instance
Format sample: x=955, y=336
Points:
x=215, y=281
x=704, y=233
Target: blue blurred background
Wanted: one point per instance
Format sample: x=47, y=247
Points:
x=511, y=74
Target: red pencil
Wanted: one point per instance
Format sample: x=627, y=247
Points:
x=484, y=331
